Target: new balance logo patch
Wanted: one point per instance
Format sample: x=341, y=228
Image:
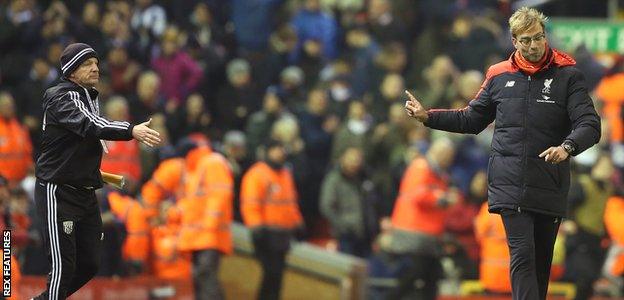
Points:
x=510, y=83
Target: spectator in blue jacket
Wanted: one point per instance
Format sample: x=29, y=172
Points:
x=253, y=23
x=312, y=24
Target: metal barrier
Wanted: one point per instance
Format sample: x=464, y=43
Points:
x=307, y=264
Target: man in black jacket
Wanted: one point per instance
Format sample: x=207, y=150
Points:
x=543, y=115
x=68, y=171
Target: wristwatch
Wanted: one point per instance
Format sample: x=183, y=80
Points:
x=568, y=146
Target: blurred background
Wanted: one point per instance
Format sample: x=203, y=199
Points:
x=326, y=78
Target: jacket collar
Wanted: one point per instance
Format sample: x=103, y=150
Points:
x=556, y=58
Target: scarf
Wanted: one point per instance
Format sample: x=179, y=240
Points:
x=529, y=67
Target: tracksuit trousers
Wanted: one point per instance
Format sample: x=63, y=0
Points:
x=72, y=234
x=531, y=239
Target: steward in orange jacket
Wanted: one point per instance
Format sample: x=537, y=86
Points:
x=269, y=208
x=420, y=206
x=136, y=246
x=202, y=186
x=494, y=265
x=168, y=262
x=609, y=90
x=269, y=198
x=418, y=219
x=15, y=144
x=206, y=208
x=123, y=158
x=614, y=265
x=166, y=183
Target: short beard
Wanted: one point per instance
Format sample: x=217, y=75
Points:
x=528, y=57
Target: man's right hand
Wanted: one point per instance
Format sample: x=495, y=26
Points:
x=146, y=135
x=415, y=109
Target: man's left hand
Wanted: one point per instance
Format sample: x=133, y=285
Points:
x=146, y=135
x=554, y=155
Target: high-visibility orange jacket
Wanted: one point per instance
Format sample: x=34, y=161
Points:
x=269, y=198
x=203, y=187
x=494, y=265
x=123, y=158
x=416, y=207
x=166, y=183
x=131, y=213
x=609, y=90
x=206, y=208
x=168, y=261
x=15, y=150
x=615, y=227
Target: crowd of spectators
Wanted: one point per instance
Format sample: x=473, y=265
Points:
x=326, y=78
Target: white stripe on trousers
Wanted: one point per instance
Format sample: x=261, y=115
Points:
x=55, y=250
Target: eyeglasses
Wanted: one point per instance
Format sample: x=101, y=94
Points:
x=526, y=41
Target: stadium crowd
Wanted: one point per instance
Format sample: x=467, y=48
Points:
x=226, y=83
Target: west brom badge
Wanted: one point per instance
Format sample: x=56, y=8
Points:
x=68, y=226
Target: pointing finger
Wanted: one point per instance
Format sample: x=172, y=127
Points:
x=412, y=98
x=545, y=152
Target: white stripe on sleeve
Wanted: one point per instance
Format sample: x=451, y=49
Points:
x=97, y=120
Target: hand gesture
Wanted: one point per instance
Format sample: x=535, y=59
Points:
x=554, y=155
x=146, y=135
x=415, y=109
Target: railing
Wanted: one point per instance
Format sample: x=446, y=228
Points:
x=345, y=274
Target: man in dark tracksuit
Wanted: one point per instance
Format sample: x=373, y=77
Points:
x=543, y=114
x=68, y=171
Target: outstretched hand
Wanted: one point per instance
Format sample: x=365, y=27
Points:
x=415, y=109
x=146, y=135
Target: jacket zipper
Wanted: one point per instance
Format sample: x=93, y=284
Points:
x=524, y=147
x=95, y=108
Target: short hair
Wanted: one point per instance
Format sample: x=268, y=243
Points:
x=524, y=18
x=237, y=66
x=149, y=76
x=113, y=104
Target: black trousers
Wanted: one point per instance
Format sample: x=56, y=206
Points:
x=206, y=275
x=531, y=239
x=584, y=260
x=273, y=262
x=420, y=280
x=72, y=234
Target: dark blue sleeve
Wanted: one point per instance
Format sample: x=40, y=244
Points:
x=479, y=113
x=583, y=116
